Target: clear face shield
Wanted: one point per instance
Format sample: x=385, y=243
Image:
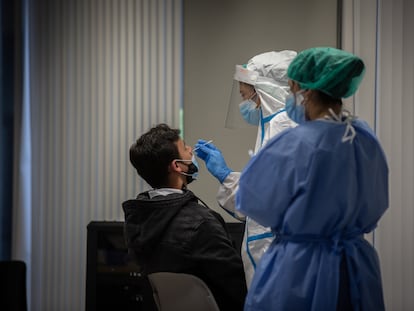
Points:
x=253, y=98
x=244, y=106
x=243, y=109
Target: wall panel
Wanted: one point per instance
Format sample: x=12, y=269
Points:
x=380, y=31
x=102, y=73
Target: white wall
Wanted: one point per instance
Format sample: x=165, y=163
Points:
x=380, y=31
x=220, y=34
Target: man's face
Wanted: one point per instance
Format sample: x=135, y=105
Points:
x=185, y=151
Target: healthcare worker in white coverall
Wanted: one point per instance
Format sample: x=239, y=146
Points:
x=261, y=86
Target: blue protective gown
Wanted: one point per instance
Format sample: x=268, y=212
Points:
x=319, y=195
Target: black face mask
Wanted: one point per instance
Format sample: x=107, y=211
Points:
x=192, y=172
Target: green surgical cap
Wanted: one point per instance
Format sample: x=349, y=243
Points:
x=329, y=70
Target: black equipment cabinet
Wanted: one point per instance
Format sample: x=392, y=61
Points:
x=113, y=281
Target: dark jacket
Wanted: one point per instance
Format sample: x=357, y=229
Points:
x=174, y=233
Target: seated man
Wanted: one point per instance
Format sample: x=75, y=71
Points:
x=167, y=229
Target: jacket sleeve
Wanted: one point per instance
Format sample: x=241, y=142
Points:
x=220, y=265
x=226, y=195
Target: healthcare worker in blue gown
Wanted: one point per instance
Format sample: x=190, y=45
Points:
x=320, y=186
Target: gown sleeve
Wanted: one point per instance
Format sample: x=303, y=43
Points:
x=272, y=179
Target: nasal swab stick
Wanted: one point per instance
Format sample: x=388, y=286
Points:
x=210, y=141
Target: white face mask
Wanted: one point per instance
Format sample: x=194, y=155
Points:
x=295, y=108
x=249, y=110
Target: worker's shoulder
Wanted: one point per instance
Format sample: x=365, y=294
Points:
x=292, y=138
x=281, y=120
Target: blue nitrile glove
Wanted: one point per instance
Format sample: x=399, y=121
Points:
x=215, y=163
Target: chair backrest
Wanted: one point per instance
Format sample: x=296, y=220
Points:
x=13, y=286
x=180, y=291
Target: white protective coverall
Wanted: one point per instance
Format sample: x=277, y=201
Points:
x=271, y=86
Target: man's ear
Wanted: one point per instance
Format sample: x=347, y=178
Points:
x=174, y=167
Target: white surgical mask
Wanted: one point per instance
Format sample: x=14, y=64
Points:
x=295, y=108
x=249, y=111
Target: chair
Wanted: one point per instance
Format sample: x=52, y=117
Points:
x=13, y=286
x=180, y=291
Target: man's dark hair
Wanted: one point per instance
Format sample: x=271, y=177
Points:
x=153, y=152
